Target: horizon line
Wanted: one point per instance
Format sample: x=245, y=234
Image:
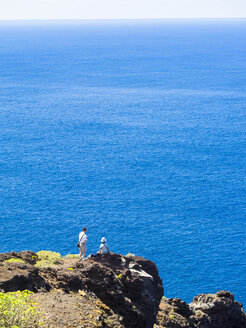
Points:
x=120, y=19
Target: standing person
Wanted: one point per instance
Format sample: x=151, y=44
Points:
x=82, y=243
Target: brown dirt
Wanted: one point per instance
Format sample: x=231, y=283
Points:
x=80, y=310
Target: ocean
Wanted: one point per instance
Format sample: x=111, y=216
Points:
x=136, y=130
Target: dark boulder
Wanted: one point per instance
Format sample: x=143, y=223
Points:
x=218, y=310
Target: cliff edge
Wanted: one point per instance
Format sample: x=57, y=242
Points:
x=115, y=290
x=111, y=291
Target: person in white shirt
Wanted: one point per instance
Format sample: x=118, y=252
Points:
x=103, y=247
x=82, y=243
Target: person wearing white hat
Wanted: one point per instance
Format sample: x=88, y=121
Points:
x=103, y=247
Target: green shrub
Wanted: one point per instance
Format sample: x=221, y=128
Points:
x=18, y=311
x=49, y=256
x=71, y=256
x=13, y=260
x=47, y=259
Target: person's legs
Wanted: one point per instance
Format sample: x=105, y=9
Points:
x=80, y=251
x=84, y=250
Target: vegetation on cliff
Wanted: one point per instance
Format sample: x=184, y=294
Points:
x=47, y=259
x=18, y=310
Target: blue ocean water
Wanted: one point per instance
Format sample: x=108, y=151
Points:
x=136, y=130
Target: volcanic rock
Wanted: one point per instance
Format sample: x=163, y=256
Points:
x=129, y=286
x=218, y=310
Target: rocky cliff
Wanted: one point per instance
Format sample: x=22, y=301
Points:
x=112, y=291
x=206, y=311
x=127, y=289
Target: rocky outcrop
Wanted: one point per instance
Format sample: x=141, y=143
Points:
x=113, y=291
x=206, y=311
x=130, y=286
x=21, y=276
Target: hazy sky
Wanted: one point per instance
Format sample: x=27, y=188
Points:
x=120, y=9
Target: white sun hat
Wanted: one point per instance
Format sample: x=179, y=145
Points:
x=103, y=240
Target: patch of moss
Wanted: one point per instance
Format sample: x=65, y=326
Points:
x=72, y=256
x=13, y=260
x=171, y=316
